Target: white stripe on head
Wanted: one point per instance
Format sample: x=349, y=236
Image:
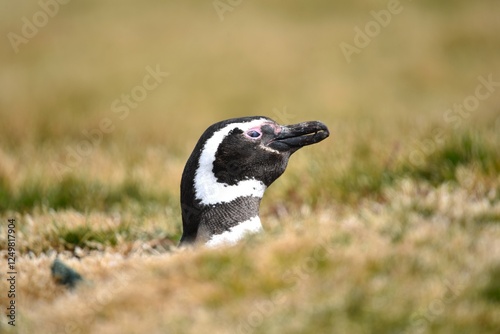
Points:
x=207, y=189
x=235, y=233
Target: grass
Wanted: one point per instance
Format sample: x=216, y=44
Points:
x=391, y=225
x=459, y=150
x=79, y=194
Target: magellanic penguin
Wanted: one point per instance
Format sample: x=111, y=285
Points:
x=231, y=166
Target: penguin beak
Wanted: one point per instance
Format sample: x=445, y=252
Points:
x=293, y=137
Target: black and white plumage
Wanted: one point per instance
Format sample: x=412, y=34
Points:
x=231, y=166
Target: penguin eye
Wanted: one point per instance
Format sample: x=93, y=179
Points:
x=253, y=134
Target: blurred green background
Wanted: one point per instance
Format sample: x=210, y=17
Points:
x=284, y=61
x=405, y=184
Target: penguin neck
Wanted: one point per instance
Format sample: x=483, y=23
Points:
x=220, y=223
x=229, y=222
x=211, y=208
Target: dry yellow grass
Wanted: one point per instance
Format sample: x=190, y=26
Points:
x=389, y=226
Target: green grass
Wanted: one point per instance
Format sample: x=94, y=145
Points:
x=391, y=225
x=85, y=236
x=80, y=194
x=491, y=290
x=469, y=149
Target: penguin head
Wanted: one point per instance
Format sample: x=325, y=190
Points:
x=240, y=158
x=257, y=148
